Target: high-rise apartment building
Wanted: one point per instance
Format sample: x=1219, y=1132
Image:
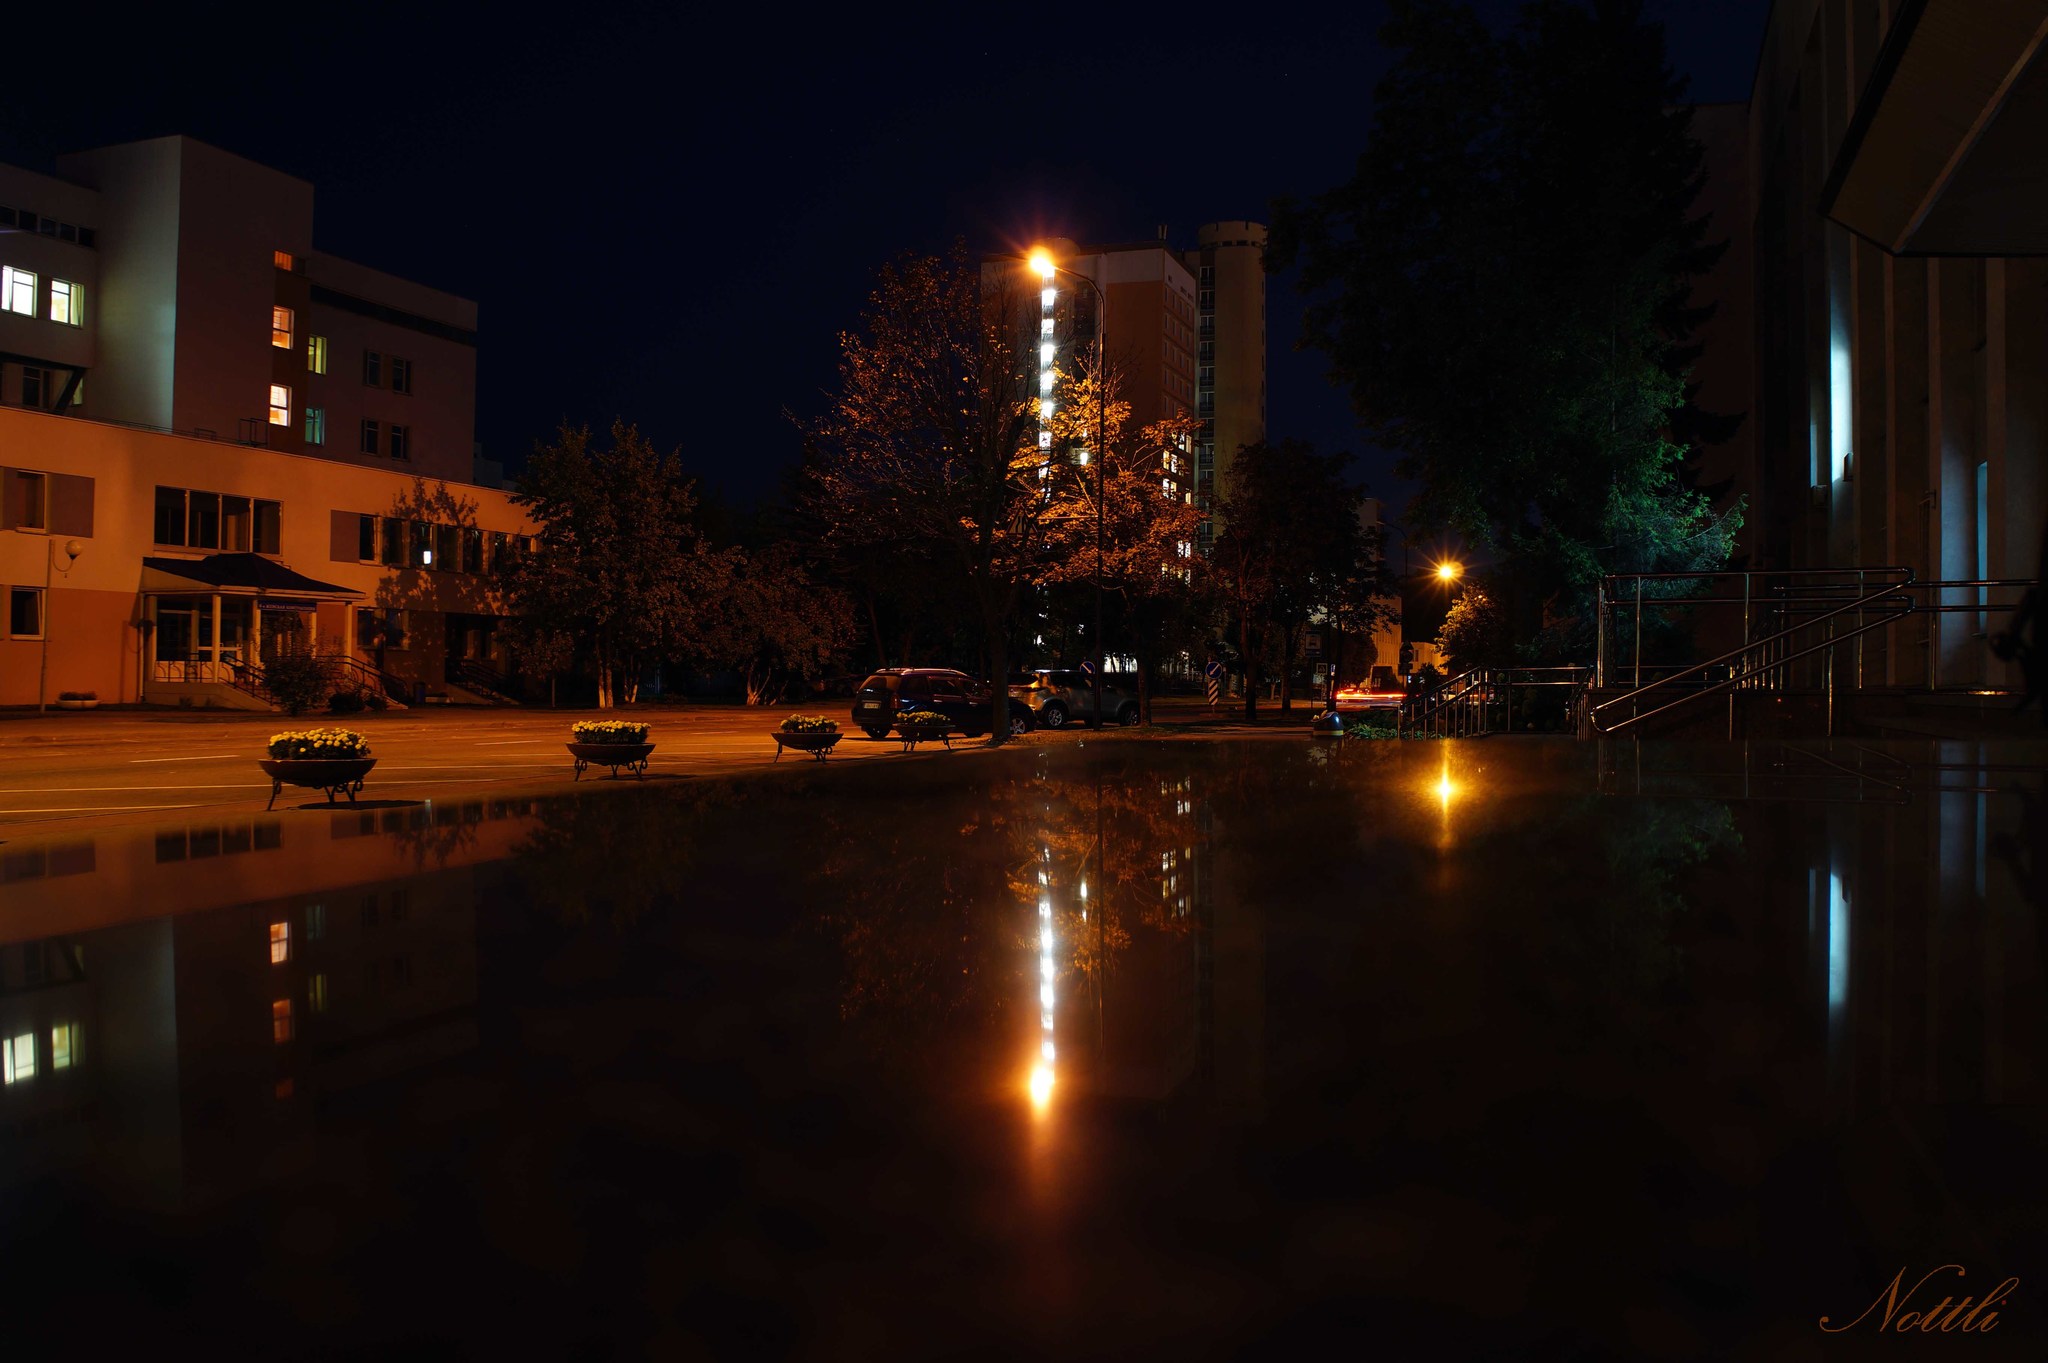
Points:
x=1229, y=265
x=1151, y=319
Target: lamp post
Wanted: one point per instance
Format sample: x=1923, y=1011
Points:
x=1048, y=268
x=72, y=549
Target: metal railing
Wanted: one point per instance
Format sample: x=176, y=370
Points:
x=1481, y=700
x=1804, y=617
x=476, y=675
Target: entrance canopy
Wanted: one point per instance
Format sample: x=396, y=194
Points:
x=236, y=574
x=1944, y=155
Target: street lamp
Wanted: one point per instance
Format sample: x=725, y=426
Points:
x=1449, y=570
x=71, y=550
x=1048, y=268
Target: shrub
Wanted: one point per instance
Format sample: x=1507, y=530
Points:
x=78, y=695
x=300, y=680
x=809, y=724
x=318, y=745
x=375, y=700
x=610, y=731
x=346, y=701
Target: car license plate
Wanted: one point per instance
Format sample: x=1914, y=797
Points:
x=871, y=705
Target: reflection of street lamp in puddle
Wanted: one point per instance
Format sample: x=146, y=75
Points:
x=1040, y=1085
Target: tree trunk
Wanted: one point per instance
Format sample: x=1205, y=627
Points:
x=999, y=679
x=1145, y=690
x=1287, y=642
x=875, y=629
x=1251, y=669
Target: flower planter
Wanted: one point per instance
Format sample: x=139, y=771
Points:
x=914, y=734
x=631, y=756
x=818, y=743
x=63, y=704
x=337, y=776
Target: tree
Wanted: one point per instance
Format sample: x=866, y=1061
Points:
x=1149, y=520
x=1475, y=632
x=777, y=626
x=619, y=566
x=1291, y=550
x=1504, y=287
x=930, y=442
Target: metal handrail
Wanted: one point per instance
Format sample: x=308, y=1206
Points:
x=1740, y=675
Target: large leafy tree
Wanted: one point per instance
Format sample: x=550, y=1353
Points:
x=619, y=572
x=1504, y=286
x=930, y=442
x=1293, y=550
x=777, y=626
x=1148, y=519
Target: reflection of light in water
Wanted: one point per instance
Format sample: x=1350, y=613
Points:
x=1838, y=944
x=1444, y=788
x=1041, y=1073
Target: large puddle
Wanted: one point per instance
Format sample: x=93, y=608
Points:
x=1512, y=1048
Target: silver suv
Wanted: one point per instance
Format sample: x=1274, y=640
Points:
x=1058, y=698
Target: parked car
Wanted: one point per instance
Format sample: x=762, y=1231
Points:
x=957, y=696
x=1058, y=698
x=1381, y=690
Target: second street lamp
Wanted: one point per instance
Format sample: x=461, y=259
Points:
x=1048, y=268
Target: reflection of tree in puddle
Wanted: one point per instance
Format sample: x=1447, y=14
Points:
x=433, y=833
x=613, y=858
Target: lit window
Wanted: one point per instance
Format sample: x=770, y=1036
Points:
x=284, y=260
x=63, y=1045
x=1048, y=298
x=316, y=993
x=316, y=354
x=67, y=303
x=281, y=328
x=281, y=1021
x=17, y=291
x=280, y=943
x=316, y=425
x=280, y=405
x=1045, y=327
x=1045, y=380
x=1045, y=410
x=1045, y=353
x=18, y=1057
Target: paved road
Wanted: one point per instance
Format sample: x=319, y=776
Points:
x=103, y=767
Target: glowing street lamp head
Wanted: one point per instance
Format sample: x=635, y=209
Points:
x=1041, y=261
x=1448, y=571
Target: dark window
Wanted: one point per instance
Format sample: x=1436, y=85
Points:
x=369, y=437
x=447, y=547
x=202, y=520
x=35, y=386
x=373, y=369
x=28, y=495
x=401, y=442
x=170, y=515
x=472, y=550
x=366, y=538
x=269, y=528
x=234, y=524
x=25, y=612
x=401, y=375
x=394, y=543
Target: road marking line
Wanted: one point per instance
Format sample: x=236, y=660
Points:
x=209, y=757
x=92, y=809
x=100, y=790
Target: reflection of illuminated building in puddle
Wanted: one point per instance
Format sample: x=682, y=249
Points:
x=161, y=1043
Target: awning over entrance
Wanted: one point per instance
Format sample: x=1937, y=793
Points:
x=1944, y=156
x=237, y=574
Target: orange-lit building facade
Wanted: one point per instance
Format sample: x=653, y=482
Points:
x=247, y=443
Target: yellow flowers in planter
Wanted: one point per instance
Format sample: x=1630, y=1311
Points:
x=610, y=731
x=924, y=719
x=809, y=724
x=318, y=745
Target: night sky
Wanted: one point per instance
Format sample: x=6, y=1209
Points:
x=668, y=216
